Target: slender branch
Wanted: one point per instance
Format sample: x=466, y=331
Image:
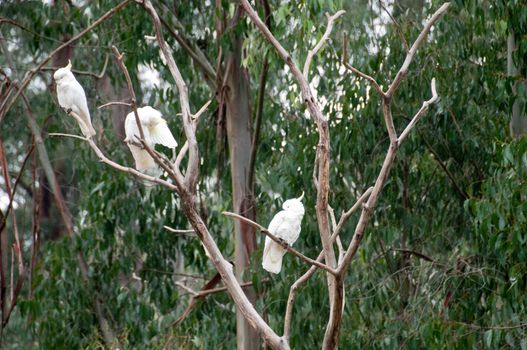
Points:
x=388, y=121
x=410, y=55
x=117, y=166
x=413, y=252
x=15, y=185
x=475, y=326
x=128, y=170
x=15, y=288
x=338, y=241
x=202, y=110
x=348, y=66
x=281, y=242
x=115, y=103
x=80, y=72
x=185, y=232
x=344, y=217
x=190, y=290
x=443, y=166
x=322, y=41
x=197, y=55
x=180, y=156
x=419, y=113
x=133, y=102
x=397, y=26
x=34, y=71
x=204, y=293
x=67, y=135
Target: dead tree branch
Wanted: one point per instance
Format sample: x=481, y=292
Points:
x=322, y=41
x=281, y=242
x=307, y=275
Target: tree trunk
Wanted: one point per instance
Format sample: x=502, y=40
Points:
x=239, y=139
x=518, y=124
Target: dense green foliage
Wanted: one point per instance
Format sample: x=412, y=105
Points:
x=456, y=195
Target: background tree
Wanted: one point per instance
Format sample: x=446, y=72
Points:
x=442, y=261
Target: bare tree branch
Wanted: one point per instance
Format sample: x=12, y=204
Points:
x=322, y=41
x=419, y=113
x=133, y=101
x=354, y=208
x=281, y=242
x=115, y=103
x=191, y=174
x=335, y=283
x=201, y=110
x=117, y=166
x=179, y=231
x=372, y=81
x=80, y=72
x=307, y=275
x=397, y=26
x=197, y=55
x=390, y=156
x=409, y=57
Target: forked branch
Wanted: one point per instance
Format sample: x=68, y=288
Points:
x=322, y=41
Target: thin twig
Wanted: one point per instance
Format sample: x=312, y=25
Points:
x=197, y=55
x=117, y=166
x=322, y=41
x=80, y=72
x=115, y=103
x=67, y=135
x=344, y=217
x=201, y=110
x=178, y=231
x=119, y=56
x=372, y=80
x=191, y=291
x=259, y=116
x=419, y=113
x=397, y=26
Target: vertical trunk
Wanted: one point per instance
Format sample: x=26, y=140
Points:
x=239, y=139
x=518, y=124
x=4, y=249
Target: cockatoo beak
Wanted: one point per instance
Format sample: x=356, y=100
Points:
x=68, y=67
x=302, y=196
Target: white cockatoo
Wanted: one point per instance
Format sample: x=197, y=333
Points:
x=155, y=130
x=72, y=98
x=285, y=225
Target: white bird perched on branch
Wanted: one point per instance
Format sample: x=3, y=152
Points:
x=72, y=98
x=285, y=225
x=155, y=130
